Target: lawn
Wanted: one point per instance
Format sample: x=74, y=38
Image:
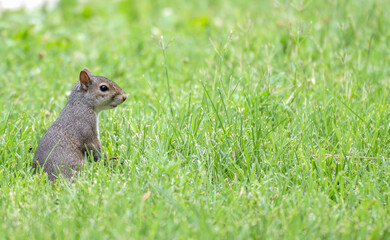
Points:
x=245, y=119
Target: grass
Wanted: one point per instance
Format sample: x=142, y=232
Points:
x=247, y=119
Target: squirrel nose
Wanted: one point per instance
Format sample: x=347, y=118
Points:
x=124, y=97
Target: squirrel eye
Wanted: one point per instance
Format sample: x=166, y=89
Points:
x=103, y=88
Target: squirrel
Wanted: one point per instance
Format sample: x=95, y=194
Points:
x=75, y=134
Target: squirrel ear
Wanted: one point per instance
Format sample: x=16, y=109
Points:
x=85, y=77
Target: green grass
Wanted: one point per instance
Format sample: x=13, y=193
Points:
x=248, y=119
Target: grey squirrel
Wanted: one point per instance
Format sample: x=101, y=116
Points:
x=75, y=134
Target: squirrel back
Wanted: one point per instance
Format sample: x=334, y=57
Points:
x=64, y=146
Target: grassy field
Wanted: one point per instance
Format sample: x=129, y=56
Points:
x=245, y=119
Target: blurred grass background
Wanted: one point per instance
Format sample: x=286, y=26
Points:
x=245, y=119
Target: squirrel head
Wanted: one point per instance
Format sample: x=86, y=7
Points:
x=98, y=92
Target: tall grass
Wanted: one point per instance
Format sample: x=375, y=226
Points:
x=263, y=119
